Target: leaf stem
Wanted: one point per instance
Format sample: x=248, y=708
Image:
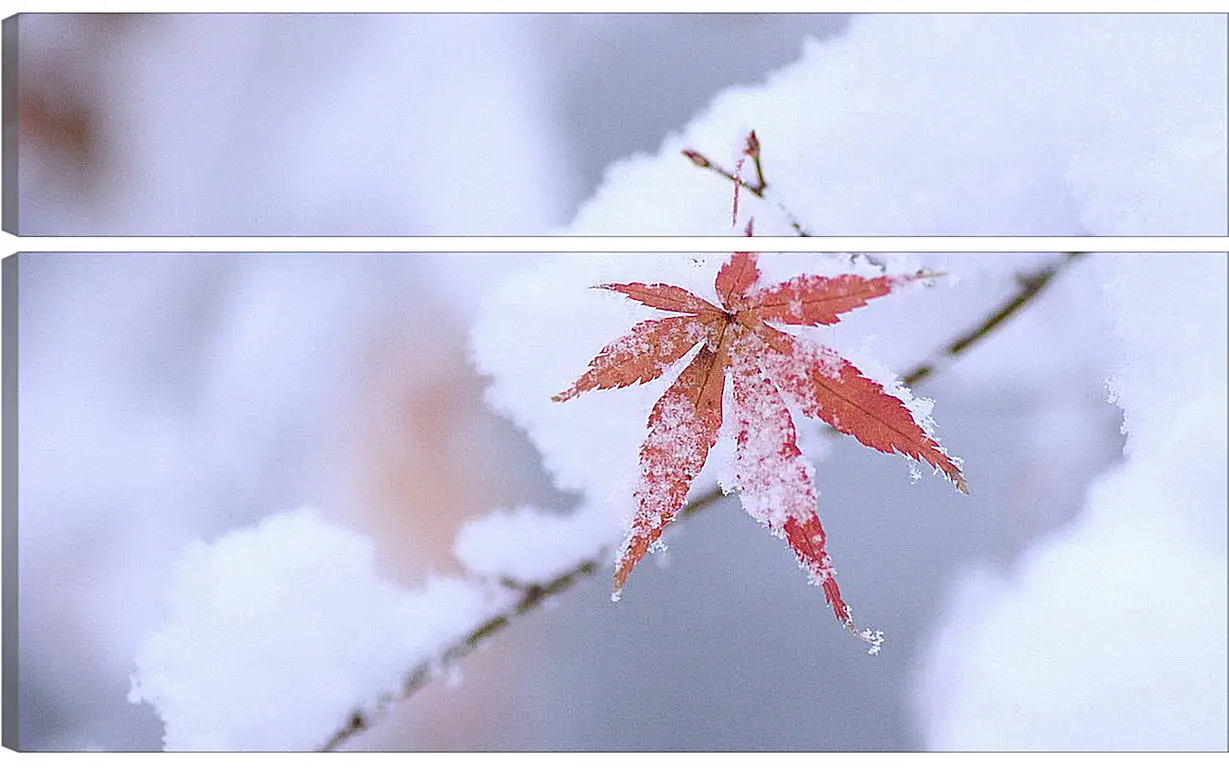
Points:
x=531, y=596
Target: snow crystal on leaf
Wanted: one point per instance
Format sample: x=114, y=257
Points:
x=770, y=473
x=683, y=426
x=875, y=638
x=772, y=477
x=920, y=408
x=828, y=387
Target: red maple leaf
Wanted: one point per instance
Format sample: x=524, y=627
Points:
x=765, y=366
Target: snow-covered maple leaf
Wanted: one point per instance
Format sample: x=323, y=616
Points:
x=766, y=367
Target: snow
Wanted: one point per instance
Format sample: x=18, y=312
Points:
x=950, y=124
x=1111, y=634
x=276, y=633
x=528, y=546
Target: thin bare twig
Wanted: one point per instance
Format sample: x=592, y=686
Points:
x=758, y=188
x=531, y=596
x=1031, y=285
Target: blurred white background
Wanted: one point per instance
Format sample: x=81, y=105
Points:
x=360, y=124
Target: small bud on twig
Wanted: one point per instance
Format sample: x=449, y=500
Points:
x=753, y=146
x=697, y=158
